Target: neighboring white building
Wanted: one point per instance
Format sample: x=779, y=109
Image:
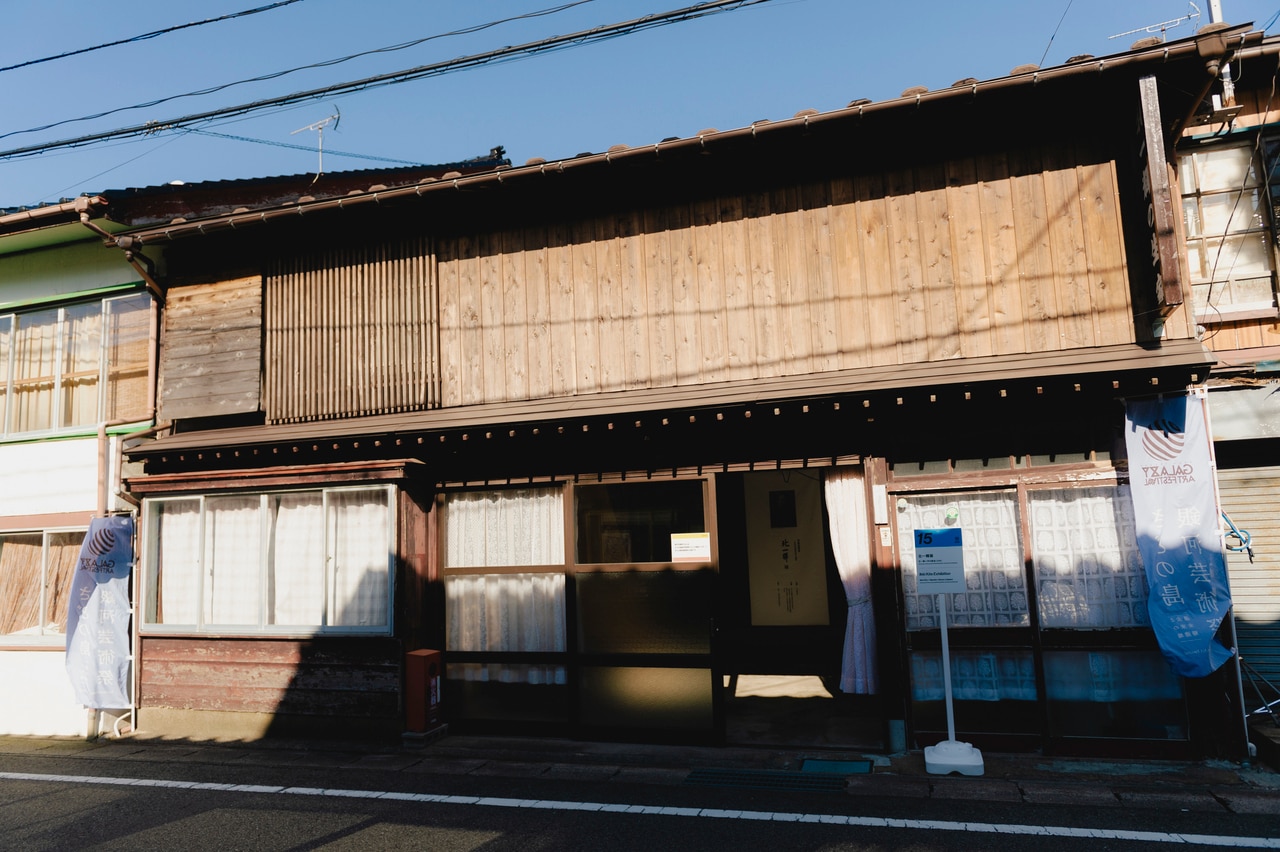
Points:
x=75, y=364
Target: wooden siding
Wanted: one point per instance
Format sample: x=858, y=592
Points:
x=352, y=331
x=353, y=677
x=978, y=257
x=211, y=363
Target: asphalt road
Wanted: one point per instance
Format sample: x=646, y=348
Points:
x=141, y=804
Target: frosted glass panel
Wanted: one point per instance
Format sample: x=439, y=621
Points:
x=996, y=593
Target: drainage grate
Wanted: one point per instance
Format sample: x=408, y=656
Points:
x=836, y=767
x=766, y=779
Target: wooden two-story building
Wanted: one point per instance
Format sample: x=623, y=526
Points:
x=638, y=439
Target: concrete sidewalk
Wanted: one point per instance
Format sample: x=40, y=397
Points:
x=1030, y=779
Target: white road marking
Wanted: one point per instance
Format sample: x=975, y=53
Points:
x=1226, y=841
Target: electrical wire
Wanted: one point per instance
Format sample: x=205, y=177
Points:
x=547, y=45
x=278, y=74
x=149, y=35
x=1055, y=31
x=328, y=152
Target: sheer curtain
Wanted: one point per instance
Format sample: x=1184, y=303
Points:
x=507, y=611
x=360, y=541
x=128, y=323
x=1088, y=570
x=34, y=365
x=996, y=593
x=847, y=508
x=81, y=363
x=975, y=676
x=296, y=560
x=232, y=556
x=518, y=527
x=177, y=569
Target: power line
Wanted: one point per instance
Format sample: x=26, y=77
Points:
x=149, y=35
x=298, y=147
x=277, y=74
x=547, y=45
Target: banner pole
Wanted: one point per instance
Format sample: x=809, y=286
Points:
x=1202, y=395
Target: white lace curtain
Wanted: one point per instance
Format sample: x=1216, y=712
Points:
x=1088, y=570
x=522, y=611
x=318, y=571
x=359, y=544
x=996, y=593
x=847, y=508
x=975, y=676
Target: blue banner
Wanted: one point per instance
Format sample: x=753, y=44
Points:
x=1175, y=509
x=98, y=615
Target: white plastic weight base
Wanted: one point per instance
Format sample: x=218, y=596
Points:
x=950, y=756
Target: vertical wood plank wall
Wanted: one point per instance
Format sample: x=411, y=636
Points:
x=993, y=255
x=211, y=364
x=353, y=331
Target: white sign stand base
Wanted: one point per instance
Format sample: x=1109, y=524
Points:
x=949, y=755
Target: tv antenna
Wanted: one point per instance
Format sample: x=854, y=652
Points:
x=1164, y=26
x=318, y=127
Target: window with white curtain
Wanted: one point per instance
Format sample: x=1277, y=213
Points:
x=302, y=561
x=509, y=610
x=1088, y=570
x=68, y=368
x=996, y=593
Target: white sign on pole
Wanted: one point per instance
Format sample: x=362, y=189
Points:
x=940, y=570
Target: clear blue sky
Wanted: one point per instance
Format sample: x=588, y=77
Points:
x=723, y=71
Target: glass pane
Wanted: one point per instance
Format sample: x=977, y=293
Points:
x=20, y=582
x=232, y=554
x=644, y=612
x=173, y=557
x=63, y=554
x=1088, y=571
x=1226, y=168
x=81, y=362
x=992, y=691
x=633, y=522
x=295, y=559
x=128, y=356
x=996, y=593
x=505, y=612
x=360, y=554
x=504, y=528
x=1232, y=211
x=634, y=697
x=1113, y=694
x=34, y=367
x=1199, y=263
x=505, y=692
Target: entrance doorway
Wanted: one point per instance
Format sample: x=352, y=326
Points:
x=781, y=617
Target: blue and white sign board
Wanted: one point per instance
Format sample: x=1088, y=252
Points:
x=939, y=561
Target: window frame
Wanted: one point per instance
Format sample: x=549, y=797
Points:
x=149, y=580
x=1188, y=162
x=108, y=372
x=42, y=637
